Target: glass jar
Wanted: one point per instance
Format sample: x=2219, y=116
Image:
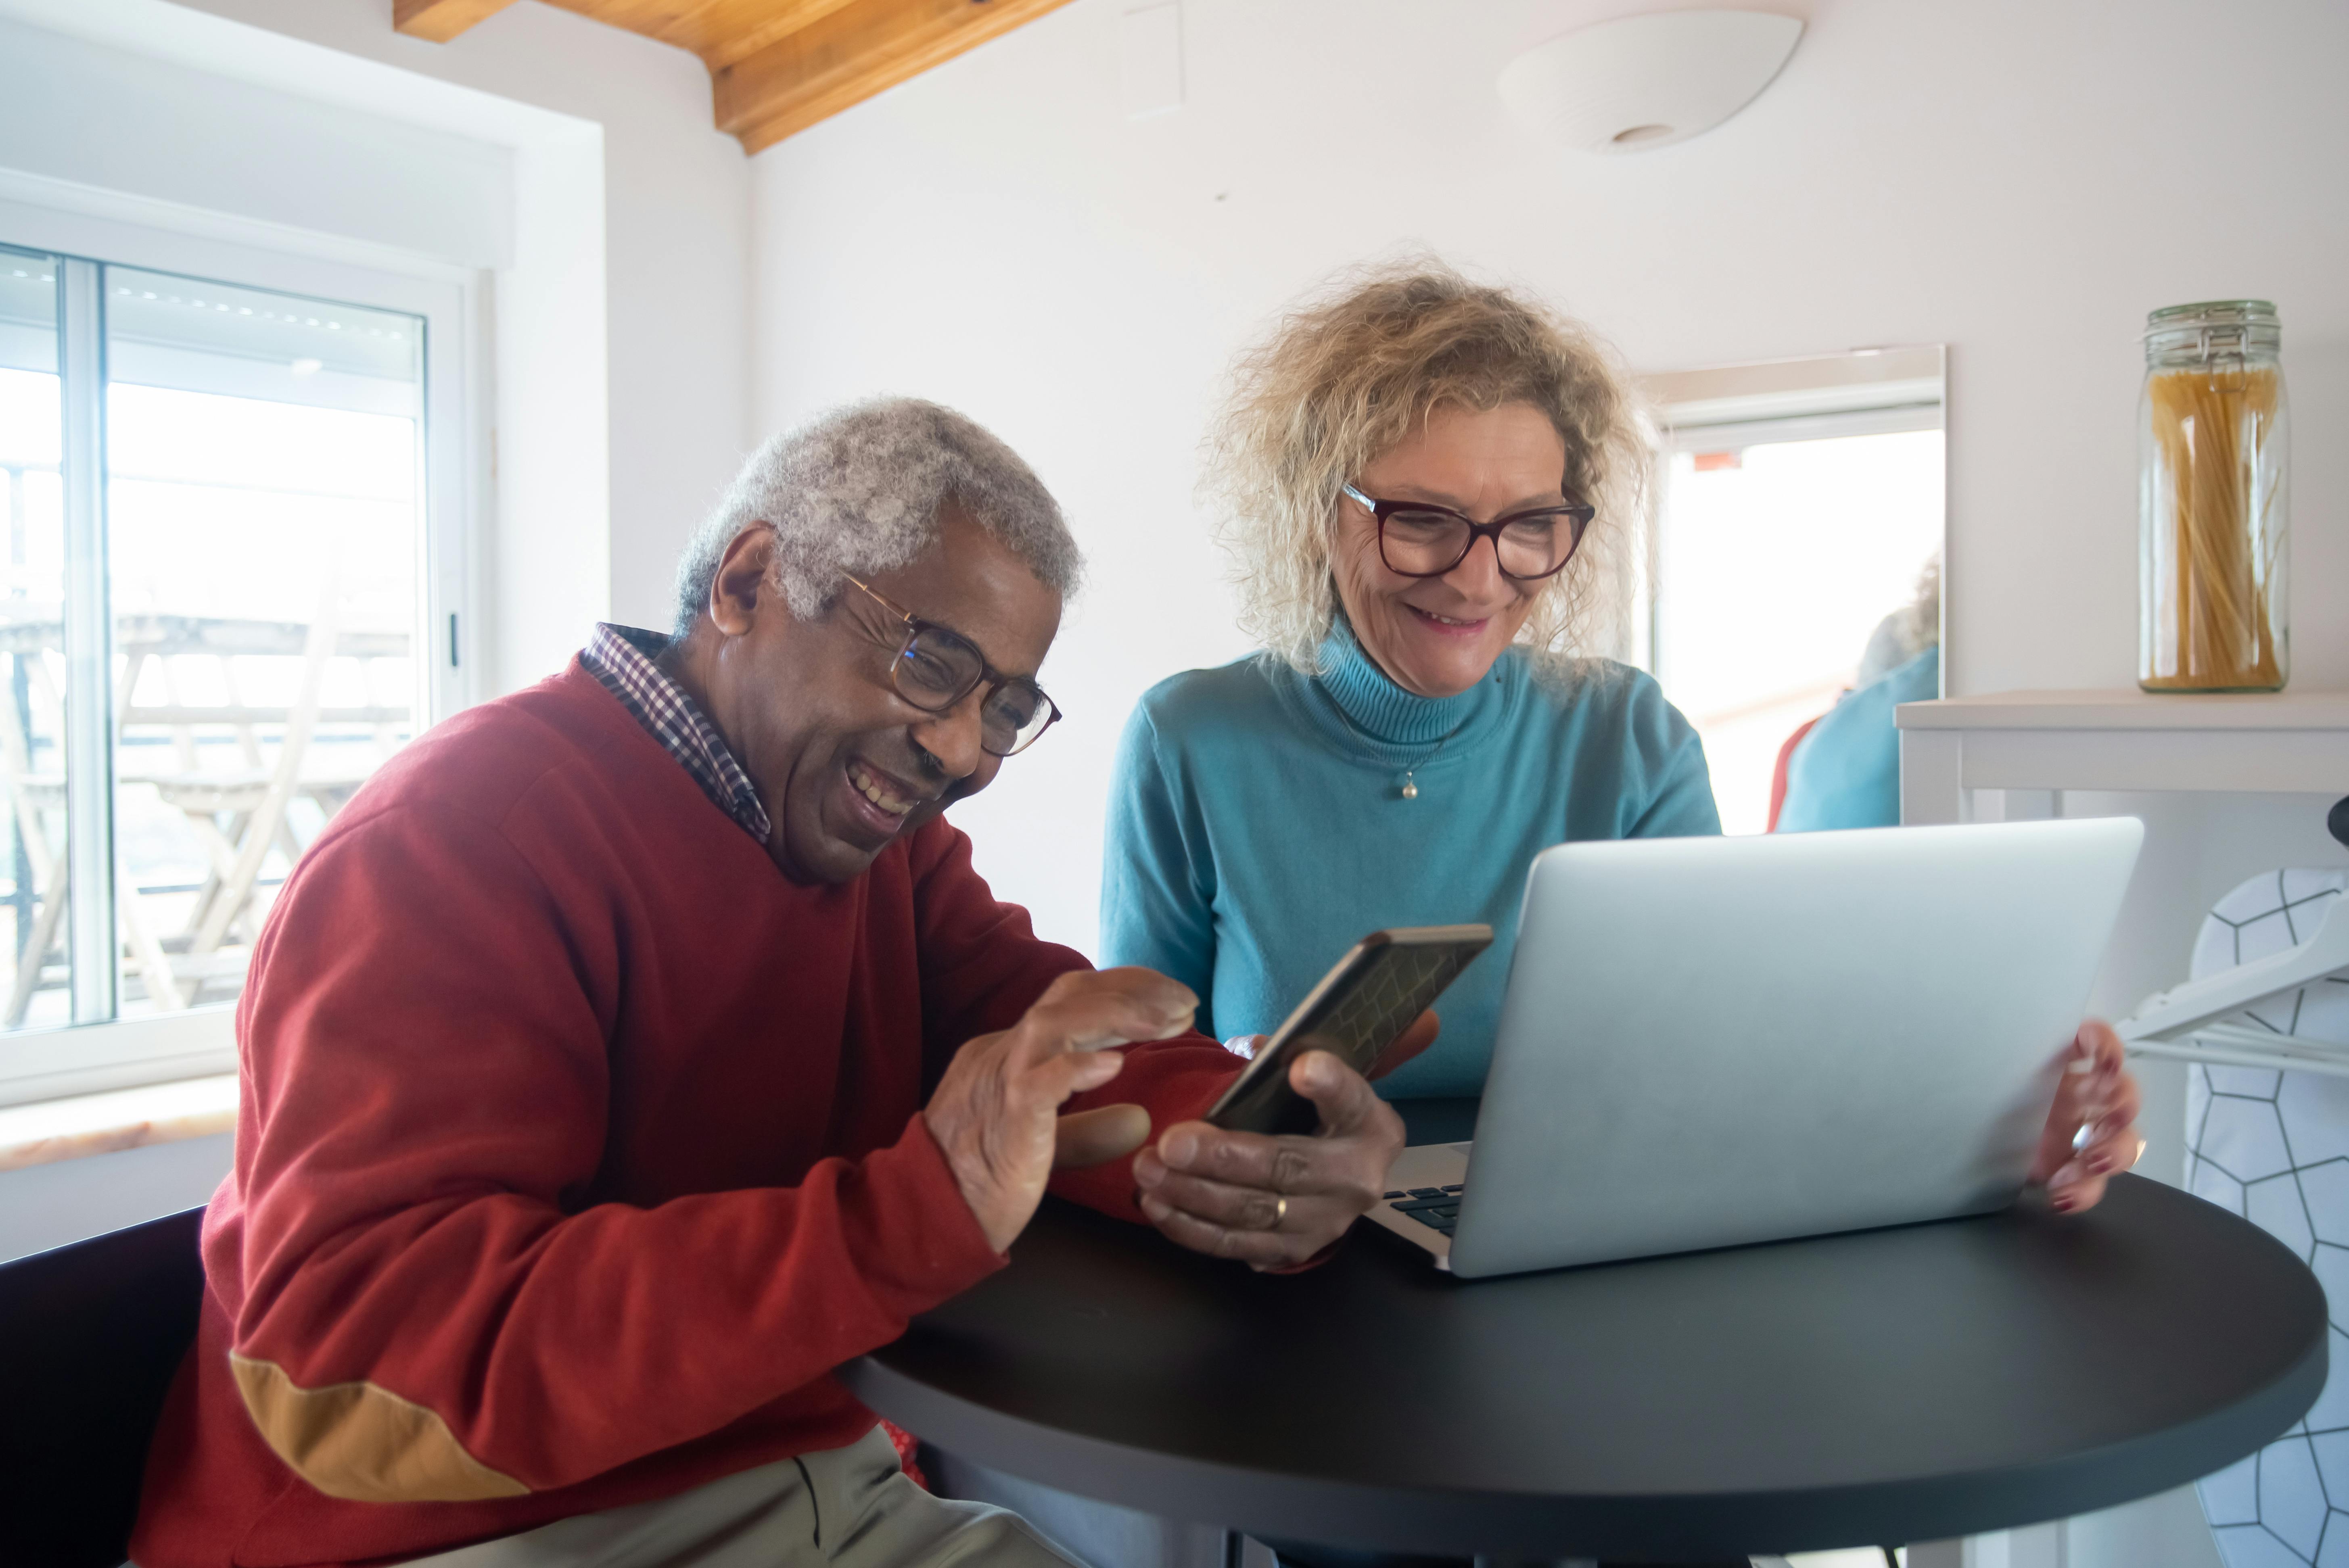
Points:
x=2213, y=532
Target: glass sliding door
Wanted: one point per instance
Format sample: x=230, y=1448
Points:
x=264, y=458
x=32, y=653
x=214, y=614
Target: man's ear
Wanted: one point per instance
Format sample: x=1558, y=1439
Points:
x=745, y=585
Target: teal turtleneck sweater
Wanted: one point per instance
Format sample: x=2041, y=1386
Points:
x=1257, y=827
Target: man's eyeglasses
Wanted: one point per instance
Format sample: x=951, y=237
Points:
x=1419, y=539
x=936, y=668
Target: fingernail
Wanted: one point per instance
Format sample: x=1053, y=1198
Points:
x=1155, y=1207
x=1147, y=1168
x=2104, y=1164
x=1180, y=1149
x=2063, y=1202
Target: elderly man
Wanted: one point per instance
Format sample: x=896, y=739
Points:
x=637, y=1048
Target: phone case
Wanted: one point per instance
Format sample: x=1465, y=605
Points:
x=1358, y=1009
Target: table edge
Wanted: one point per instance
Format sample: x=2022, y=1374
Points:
x=1382, y=1516
x=1388, y=1518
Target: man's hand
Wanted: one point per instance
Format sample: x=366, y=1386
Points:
x=1274, y=1202
x=996, y=1112
x=2096, y=1105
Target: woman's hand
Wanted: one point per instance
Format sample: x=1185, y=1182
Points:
x=1409, y=1044
x=1274, y=1202
x=2095, y=1107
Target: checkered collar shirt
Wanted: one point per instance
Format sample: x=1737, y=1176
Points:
x=621, y=659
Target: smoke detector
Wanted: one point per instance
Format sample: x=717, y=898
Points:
x=1648, y=81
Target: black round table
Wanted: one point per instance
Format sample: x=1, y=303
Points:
x=1880, y=1386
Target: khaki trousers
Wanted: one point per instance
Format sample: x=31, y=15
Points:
x=840, y=1508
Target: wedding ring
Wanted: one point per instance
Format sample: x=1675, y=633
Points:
x=1280, y=1210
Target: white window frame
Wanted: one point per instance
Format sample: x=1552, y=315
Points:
x=70, y=222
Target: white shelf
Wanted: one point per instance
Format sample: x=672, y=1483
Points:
x=2289, y=741
x=2131, y=709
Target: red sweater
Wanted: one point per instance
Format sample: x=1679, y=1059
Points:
x=578, y=1146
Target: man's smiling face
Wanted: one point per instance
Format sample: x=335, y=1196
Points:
x=845, y=764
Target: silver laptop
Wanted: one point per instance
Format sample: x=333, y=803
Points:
x=1712, y=1041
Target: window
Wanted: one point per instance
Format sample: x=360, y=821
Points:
x=1801, y=507
x=220, y=601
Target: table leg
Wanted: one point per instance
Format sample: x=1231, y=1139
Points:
x=1299, y=1555
x=36, y=950
x=1932, y=776
x=1488, y=1561
x=147, y=948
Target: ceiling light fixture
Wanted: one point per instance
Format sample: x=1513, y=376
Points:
x=1646, y=81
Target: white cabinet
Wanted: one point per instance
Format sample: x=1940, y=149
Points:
x=2227, y=786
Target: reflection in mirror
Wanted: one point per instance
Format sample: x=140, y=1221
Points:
x=1794, y=569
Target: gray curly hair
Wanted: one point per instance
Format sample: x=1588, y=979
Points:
x=859, y=491
x=1347, y=375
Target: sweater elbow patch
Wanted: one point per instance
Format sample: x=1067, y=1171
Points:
x=362, y=1443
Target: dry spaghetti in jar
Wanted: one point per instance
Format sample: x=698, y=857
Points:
x=2213, y=541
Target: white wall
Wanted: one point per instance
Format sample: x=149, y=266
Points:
x=668, y=251
x=676, y=242
x=2019, y=180
x=2022, y=181
x=45, y=1206
x=76, y=110
x=573, y=165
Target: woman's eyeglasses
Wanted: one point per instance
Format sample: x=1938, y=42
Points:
x=1419, y=539
x=936, y=668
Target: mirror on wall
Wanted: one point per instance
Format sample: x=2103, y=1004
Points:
x=1794, y=554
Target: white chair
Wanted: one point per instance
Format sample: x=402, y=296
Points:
x=2265, y=1024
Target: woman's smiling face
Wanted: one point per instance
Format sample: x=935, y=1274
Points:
x=1438, y=635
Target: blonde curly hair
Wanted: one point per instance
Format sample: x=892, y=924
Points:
x=1347, y=374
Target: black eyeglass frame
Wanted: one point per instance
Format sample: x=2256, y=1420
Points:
x=989, y=677
x=1576, y=514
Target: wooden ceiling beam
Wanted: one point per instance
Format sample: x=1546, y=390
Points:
x=776, y=66
x=850, y=52
x=779, y=23
x=721, y=31
x=441, y=20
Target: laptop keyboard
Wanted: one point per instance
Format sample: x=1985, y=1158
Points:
x=1438, y=1208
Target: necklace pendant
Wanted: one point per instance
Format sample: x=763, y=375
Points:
x=1410, y=788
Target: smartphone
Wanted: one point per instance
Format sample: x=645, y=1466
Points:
x=1359, y=1008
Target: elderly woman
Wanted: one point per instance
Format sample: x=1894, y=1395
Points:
x=1429, y=487
x=1425, y=482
